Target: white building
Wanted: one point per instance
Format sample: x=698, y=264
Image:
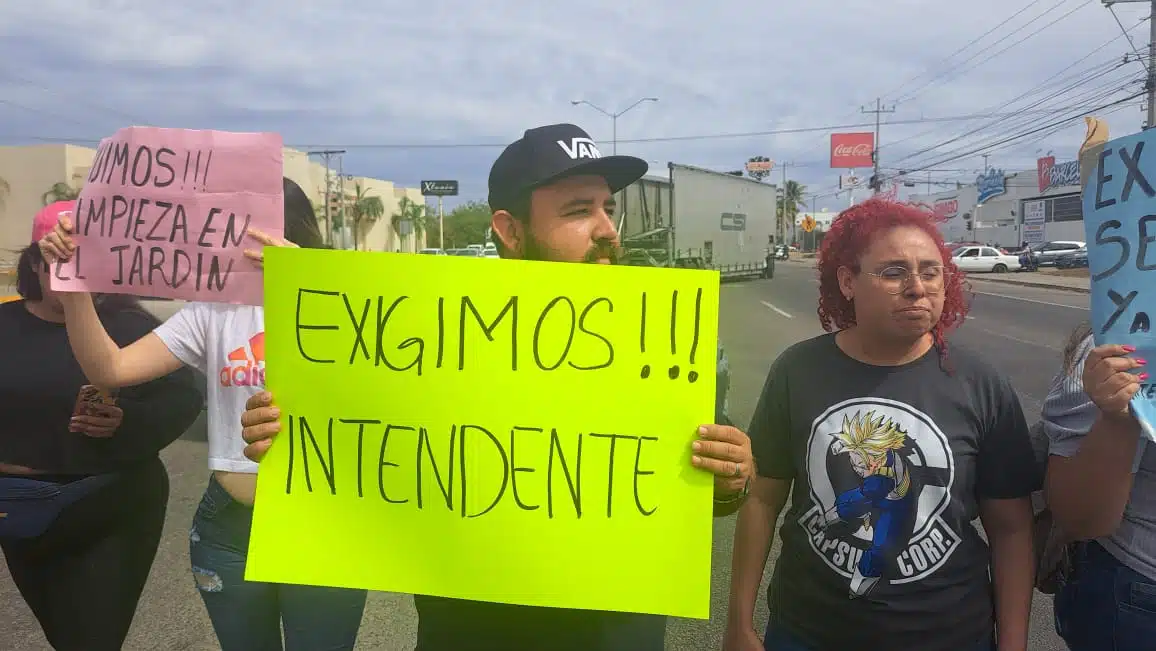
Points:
x=994, y=208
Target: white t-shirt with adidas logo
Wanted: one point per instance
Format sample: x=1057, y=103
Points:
x=227, y=344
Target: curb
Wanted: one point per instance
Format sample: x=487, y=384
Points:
x=1028, y=283
x=992, y=279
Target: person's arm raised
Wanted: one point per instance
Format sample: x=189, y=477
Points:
x=104, y=362
x=1096, y=443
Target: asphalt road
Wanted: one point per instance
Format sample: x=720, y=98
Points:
x=1022, y=331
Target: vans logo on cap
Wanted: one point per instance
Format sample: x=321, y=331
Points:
x=580, y=148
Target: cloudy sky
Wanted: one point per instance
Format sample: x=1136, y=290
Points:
x=432, y=89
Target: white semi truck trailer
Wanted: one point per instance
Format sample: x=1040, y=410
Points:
x=721, y=219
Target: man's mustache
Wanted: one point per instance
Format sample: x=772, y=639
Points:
x=604, y=249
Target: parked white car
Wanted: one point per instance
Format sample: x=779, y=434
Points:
x=984, y=258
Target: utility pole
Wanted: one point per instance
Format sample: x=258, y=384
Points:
x=985, y=167
x=782, y=225
x=813, y=213
x=1150, y=85
x=879, y=110
x=326, y=155
x=1151, y=68
x=341, y=207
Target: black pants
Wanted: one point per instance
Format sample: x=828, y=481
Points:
x=83, y=577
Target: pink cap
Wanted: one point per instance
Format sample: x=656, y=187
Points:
x=46, y=219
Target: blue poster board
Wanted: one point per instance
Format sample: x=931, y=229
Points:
x=1120, y=222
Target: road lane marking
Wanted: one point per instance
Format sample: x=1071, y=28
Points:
x=1031, y=300
x=776, y=309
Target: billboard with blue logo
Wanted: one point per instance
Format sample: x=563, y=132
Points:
x=991, y=183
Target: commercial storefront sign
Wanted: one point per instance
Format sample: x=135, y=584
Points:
x=1052, y=175
x=1034, y=216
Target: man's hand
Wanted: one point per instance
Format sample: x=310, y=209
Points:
x=725, y=452
x=257, y=256
x=1108, y=380
x=101, y=421
x=259, y=425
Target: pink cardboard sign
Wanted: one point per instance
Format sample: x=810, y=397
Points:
x=164, y=213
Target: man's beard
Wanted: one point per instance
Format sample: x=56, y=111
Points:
x=607, y=249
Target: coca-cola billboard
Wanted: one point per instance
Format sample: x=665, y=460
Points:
x=849, y=150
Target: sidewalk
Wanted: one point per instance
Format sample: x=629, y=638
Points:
x=1045, y=278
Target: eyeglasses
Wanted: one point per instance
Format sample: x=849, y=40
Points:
x=895, y=280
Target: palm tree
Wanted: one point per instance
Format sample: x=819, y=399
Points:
x=794, y=193
x=413, y=212
x=364, y=207
x=59, y=192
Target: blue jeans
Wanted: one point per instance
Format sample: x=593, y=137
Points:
x=248, y=616
x=778, y=639
x=1105, y=605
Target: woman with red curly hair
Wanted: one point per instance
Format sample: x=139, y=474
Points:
x=894, y=444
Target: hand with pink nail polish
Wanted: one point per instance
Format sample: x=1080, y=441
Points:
x=1108, y=378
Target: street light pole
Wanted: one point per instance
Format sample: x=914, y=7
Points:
x=613, y=116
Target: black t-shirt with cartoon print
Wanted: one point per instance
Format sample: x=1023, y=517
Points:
x=889, y=464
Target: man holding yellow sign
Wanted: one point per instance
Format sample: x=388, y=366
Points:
x=552, y=196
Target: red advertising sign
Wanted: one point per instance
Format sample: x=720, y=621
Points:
x=1056, y=175
x=947, y=208
x=850, y=150
x=1044, y=171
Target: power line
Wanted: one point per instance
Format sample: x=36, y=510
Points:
x=503, y=142
x=1016, y=118
x=967, y=45
x=1095, y=73
x=960, y=50
x=931, y=83
x=1044, y=85
x=1088, y=76
x=71, y=100
x=1105, y=109
x=1080, y=103
x=1135, y=50
x=1062, y=121
x=45, y=112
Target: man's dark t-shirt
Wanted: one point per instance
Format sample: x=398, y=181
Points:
x=889, y=465
x=461, y=625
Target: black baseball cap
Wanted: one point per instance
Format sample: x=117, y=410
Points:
x=556, y=151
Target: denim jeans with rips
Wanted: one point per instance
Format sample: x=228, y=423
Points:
x=249, y=616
